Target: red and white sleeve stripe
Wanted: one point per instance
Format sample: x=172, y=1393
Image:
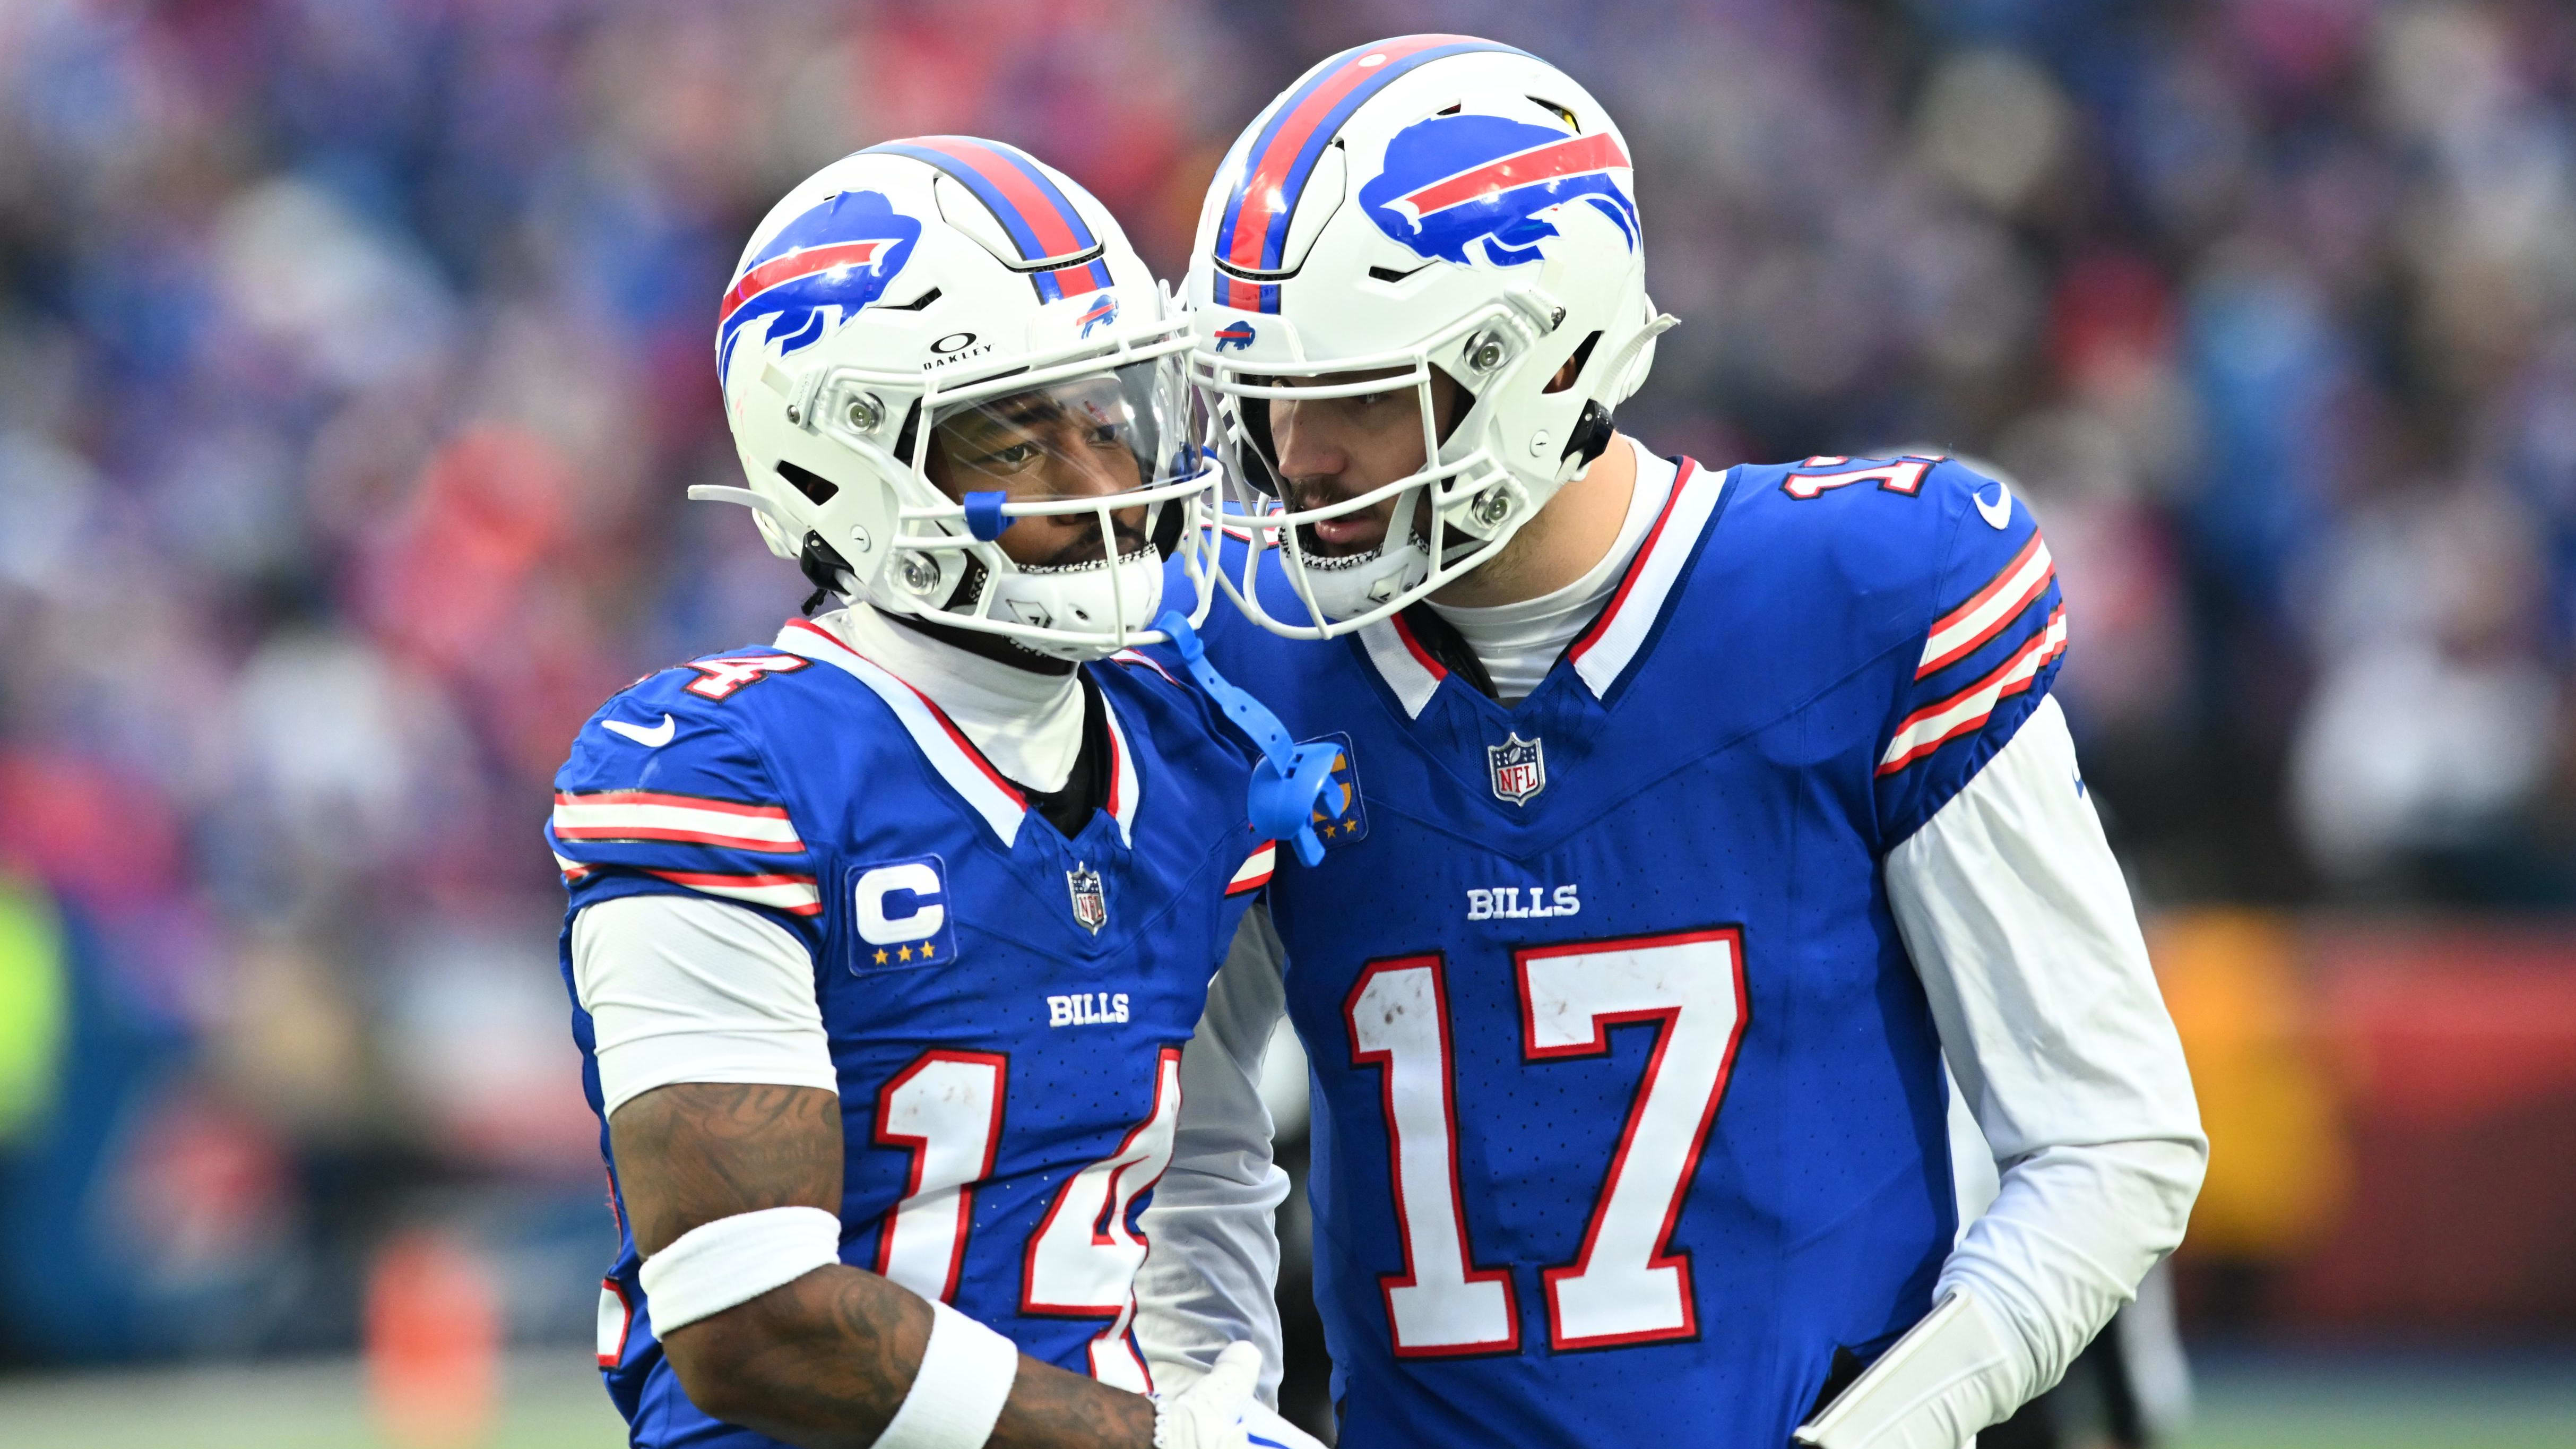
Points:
x=688, y=819
x=1256, y=870
x=797, y=895
x=1934, y=725
x=1989, y=610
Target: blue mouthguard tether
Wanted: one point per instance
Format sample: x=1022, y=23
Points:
x=1289, y=777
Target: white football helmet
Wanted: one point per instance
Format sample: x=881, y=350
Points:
x=951, y=304
x=1428, y=204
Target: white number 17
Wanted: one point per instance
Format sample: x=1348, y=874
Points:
x=1625, y=1284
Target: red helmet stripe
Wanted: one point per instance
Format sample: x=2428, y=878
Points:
x=1573, y=156
x=1271, y=183
x=1047, y=217
x=797, y=264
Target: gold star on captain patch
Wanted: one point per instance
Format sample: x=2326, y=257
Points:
x=881, y=956
x=1328, y=832
x=926, y=949
x=904, y=955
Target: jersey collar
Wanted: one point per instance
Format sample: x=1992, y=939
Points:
x=1602, y=653
x=945, y=746
x=937, y=737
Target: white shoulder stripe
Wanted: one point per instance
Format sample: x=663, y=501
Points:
x=795, y=894
x=1412, y=676
x=1622, y=630
x=1002, y=807
x=1935, y=725
x=1967, y=628
x=1255, y=870
x=650, y=815
x=1125, y=789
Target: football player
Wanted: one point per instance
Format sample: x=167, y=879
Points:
x=1687, y=820
x=885, y=935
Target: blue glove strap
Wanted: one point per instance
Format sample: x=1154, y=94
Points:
x=1289, y=777
x=984, y=514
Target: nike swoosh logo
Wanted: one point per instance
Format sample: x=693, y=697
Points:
x=651, y=739
x=1997, y=514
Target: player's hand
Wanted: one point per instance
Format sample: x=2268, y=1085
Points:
x=1222, y=1410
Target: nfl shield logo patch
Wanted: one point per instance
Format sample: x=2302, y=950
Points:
x=1520, y=768
x=1090, y=902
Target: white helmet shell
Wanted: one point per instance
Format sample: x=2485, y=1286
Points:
x=1432, y=202
x=906, y=282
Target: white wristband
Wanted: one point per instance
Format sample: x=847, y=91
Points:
x=732, y=1260
x=957, y=1394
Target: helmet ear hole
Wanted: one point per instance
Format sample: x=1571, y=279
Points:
x=1572, y=372
x=817, y=489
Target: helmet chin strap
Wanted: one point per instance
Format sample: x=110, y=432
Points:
x=1000, y=648
x=825, y=569
x=1590, y=437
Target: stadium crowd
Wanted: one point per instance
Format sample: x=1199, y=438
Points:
x=355, y=356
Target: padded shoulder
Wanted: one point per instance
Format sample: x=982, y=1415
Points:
x=1878, y=528
x=669, y=788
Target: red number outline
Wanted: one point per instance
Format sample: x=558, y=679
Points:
x=1663, y=1254
x=1895, y=475
x=1387, y=1283
x=918, y=1146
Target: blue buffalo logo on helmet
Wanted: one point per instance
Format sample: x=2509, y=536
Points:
x=1102, y=312
x=1236, y=335
x=1451, y=180
x=841, y=254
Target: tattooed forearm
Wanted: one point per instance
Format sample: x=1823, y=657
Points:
x=697, y=1151
x=826, y=1360
x=1052, y=1409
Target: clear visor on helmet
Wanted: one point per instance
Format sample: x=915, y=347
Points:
x=1058, y=450
x=1054, y=498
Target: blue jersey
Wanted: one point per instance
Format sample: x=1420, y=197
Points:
x=1005, y=1007
x=1629, y=1109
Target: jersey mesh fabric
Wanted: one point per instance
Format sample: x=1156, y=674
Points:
x=1050, y=981
x=1693, y=804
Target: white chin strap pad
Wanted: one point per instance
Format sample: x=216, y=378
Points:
x=1942, y=1382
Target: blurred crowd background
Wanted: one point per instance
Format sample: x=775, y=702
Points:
x=355, y=356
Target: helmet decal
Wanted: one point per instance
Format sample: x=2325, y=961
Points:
x=1271, y=173
x=1041, y=221
x=1236, y=334
x=1102, y=311
x=840, y=254
x=1450, y=180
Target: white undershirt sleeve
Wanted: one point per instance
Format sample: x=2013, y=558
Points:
x=2020, y=925
x=1212, y=1265
x=687, y=989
